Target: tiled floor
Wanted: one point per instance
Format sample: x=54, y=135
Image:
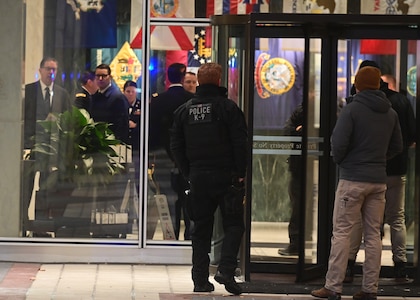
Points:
x=111, y=281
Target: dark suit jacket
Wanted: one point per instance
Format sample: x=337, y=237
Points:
x=112, y=107
x=82, y=99
x=134, y=133
x=162, y=107
x=35, y=108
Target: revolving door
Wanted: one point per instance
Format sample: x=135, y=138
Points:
x=291, y=74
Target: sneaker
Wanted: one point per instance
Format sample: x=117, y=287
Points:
x=364, y=296
x=326, y=293
x=289, y=251
x=204, y=288
x=229, y=281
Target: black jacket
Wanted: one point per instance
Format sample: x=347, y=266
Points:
x=209, y=133
x=112, y=107
x=82, y=99
x=162, y=107
x=398, y=164
x=292, y=128
x=134, y=133
x=35, y=108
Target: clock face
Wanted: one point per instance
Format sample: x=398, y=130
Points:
x=278, y=75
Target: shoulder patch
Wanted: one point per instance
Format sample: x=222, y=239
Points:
x=155, y=94
x=81, y=95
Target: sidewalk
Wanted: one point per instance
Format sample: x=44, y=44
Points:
x=114, y=281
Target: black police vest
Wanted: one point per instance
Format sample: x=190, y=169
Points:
x=206, y=131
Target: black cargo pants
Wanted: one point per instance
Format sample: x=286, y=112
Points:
x=210, y=189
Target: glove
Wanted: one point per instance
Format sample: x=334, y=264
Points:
x=235, y=197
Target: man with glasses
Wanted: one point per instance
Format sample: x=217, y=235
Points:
x=42, y=98
x=109, y=104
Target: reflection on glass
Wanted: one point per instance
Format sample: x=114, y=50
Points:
x=276, y=142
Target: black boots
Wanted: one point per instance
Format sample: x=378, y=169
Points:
x=229, y=281
x=205, y=287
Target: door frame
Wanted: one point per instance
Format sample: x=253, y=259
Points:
x=329, y=28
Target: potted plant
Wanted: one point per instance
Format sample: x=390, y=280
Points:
x=74, y=149
x=73, y=153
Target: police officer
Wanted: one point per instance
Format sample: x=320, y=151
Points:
x=209, y=144
x=89, y=87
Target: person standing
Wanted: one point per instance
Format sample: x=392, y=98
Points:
x=293, y=127
x=396, y=170
x=366, y=134
x=162, y=107
x=209, y=145
x=134, y=111
x=109, y=104
x=42, y=98
x=83, y=97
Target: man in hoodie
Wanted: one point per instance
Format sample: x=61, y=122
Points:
x=396, y=170
x=367, y=133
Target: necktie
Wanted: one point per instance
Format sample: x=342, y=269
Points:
x=47, y=99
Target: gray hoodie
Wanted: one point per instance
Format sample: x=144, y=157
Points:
x=366, y=134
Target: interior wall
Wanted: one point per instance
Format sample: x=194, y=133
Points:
x=11, y=54
x=34, y=37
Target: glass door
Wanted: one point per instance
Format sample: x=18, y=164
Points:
x=295, y=75
x=286, y=151
x=277, y=82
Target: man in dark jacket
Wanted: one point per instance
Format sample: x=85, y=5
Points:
x=88, y=87
x=109, y=104
x=162, y=107
x=396, y=170
x=209, y=145
x=42, y=98
x=367, y=133
x=293, y=127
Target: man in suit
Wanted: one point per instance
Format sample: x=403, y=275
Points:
x=89, y=87
x=109, y=104
x=162, y=107
x=42, y=98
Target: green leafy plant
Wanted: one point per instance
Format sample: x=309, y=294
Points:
x=72, y=148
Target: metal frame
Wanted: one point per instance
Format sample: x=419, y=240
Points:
x=330, y=28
